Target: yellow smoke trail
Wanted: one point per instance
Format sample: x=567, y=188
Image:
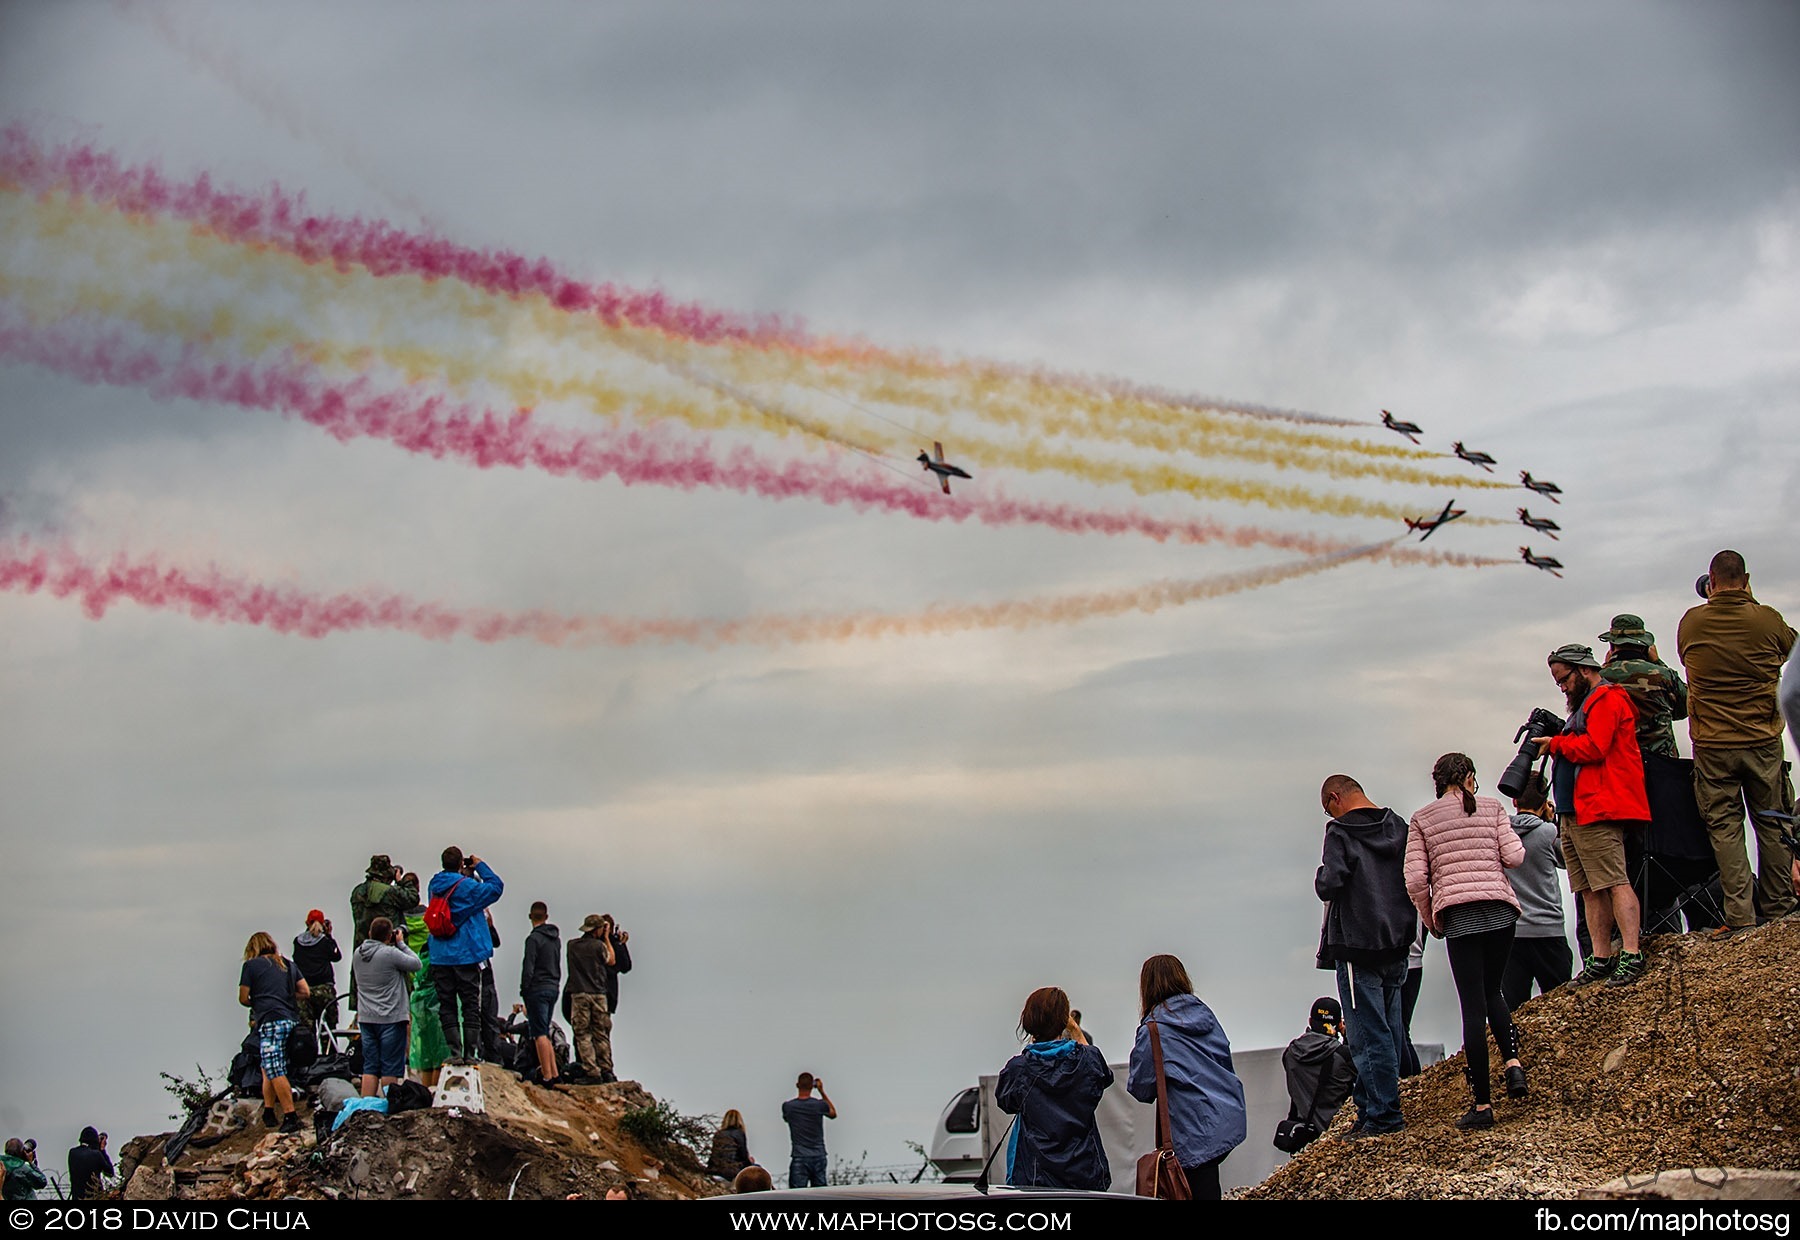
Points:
x=944, y=618
x=322, y=296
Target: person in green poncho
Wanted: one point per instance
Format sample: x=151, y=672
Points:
x=427, y=1049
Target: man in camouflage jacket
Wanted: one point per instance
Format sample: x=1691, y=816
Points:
x=1656, y=689
x=382, y=893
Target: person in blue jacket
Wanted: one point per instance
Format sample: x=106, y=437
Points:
x=470, y=886
x=1054, y=1086
x=1206, y=1099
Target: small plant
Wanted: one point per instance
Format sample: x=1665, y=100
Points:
x=843, y=1171
x=191, y=1095
x=928, y=1171
x=659, y=1127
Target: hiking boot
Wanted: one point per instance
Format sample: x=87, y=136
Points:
x=1475, y=1117
x=1629, y=969
x=1515, y=1083
x=1719, y=933
x=290, y=1123
x=270, y=1119
x=1594, y=969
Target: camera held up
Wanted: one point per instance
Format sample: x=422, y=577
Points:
x=1538, y=724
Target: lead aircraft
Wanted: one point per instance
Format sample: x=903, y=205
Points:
x=1409, y=429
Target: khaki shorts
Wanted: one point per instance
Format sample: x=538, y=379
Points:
x=1594, y=854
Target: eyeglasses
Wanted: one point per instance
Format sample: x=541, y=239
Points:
x=1327, y=802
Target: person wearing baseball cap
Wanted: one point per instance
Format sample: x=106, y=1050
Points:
x=315, y=951
x=1599, y=775
x=1656, y=689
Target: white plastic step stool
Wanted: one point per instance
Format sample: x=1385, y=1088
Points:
x=459, y=1086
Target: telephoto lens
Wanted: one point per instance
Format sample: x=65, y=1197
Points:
x=1540, y=723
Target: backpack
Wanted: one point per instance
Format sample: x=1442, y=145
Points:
x=407, y=1096
x=437, y=914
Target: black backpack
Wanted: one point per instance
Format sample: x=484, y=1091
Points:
x=407, y=1096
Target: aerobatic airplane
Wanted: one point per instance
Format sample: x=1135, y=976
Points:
x=1541, y=561
x=1474, y=458
x=1409, y=429
x=1431, y=525
x=942, y=468
x=1549, y=490
x=1543, y=525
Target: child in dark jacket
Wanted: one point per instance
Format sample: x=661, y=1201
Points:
x=1320, y=1073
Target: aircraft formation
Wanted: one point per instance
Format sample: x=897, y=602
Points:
x=1427, y=526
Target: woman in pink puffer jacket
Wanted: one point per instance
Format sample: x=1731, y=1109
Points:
x=1457, y=854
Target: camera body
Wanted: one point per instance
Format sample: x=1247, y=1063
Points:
x=1540, y=723
x=1703, y=586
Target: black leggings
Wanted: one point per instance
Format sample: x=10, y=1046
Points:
x=1478, y=963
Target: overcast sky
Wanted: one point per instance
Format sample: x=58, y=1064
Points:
x=1567, y=236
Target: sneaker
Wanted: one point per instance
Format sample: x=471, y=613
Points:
x=289, y=1123
x=1594, y=969
x=1629, y=969
x=270, y=1119
x=1475, y=1117
x=1515, y=1083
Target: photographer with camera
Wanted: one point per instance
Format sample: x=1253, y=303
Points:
x=460, y=943
x=23, y=1178
x=1733, y=648
x=1599, y=741
x=380, y=965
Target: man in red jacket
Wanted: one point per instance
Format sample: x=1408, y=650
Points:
x=1600, y=742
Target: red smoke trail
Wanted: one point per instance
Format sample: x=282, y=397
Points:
x=433, y=425
x=281, y=220
x=215, y=596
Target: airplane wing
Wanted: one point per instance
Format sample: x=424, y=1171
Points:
x=940, y=451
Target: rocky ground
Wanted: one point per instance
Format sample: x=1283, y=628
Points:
x=1696, y=1066
x=529, y=1144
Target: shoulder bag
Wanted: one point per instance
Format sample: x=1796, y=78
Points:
x=1159, y=1172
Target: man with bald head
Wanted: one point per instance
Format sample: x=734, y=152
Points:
x=1369, y=927
x=1733, y=648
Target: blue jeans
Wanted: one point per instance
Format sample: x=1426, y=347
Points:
x=807, y=1172
x=384, y=1049
x=1376, y=1034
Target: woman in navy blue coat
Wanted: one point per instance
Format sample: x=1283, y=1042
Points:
x=1054, y=1086
x=1206, y=1099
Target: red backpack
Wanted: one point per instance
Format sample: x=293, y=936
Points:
x=437, y=914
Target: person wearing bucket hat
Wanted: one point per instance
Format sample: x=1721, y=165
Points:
x=382, y=893
x=591, y=962
x=1599, y=741
x=1733, y=648
x=1656, y=689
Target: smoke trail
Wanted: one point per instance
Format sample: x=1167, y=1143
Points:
x=431, y=425
x=280, y=219
x=216, y=596
x=74, y=231
x=213, y=58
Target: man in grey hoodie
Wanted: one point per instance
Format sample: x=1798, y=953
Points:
x=380, y=965
x=1540, y=948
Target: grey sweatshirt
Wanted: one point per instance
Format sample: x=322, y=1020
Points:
x=380, y=970
x=1536, y=882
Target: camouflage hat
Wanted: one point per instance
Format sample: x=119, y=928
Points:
x=381, y=867
x=1575, y=655
x=591, y=923
x=1628, y=630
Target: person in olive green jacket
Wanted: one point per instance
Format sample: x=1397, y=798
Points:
x=1733, y=648
x=384, y=892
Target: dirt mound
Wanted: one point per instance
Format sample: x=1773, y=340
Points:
x=530, y=1143
x=1695, y=1066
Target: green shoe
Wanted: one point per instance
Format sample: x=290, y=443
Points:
x=1594, y=969
x=1628, y=970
